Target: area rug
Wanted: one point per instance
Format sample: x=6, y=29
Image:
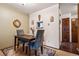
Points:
x=10, y=52
x=47, y=51
x=6, y=50
x=1, y=53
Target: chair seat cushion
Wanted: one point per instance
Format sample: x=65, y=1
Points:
x=34, y=45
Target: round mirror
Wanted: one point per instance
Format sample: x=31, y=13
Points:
x=17, y=23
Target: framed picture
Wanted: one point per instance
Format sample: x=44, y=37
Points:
x=51, y=19
x=40, y=25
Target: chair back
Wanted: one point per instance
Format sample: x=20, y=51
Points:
x=20, y=32
x=39, y=38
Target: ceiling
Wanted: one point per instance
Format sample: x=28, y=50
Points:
x=30, y=7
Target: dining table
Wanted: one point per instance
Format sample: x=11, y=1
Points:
x=27, y=37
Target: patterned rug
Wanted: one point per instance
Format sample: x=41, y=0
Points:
x=46, y=52
x=1, y=53
x=10, y=52
x=6, y=50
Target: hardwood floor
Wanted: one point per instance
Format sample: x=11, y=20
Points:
x=69, y=47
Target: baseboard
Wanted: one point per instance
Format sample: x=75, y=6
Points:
x=51, y=47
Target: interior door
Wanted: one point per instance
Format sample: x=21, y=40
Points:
x=74, y=30
x=65, y=30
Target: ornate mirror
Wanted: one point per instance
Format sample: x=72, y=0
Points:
x=17, y=23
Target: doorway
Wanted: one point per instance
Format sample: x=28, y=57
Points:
x=66, y=45
x=65, y=30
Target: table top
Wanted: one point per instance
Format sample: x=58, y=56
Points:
x=28, y=37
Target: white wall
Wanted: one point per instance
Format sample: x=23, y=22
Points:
x=74, y=16
x=66, y=15
x=51, y=35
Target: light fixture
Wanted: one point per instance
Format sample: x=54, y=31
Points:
x=23, y=3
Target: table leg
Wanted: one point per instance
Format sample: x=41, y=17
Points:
x=15, y=43
x=18, y=43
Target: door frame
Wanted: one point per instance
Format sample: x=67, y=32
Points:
x=78, y=26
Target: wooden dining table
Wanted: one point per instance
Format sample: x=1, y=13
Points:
x=27, y=38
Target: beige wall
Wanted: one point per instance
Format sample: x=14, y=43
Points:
x=7, y=30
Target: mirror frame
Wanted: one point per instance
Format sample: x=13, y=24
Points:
x=16, y=21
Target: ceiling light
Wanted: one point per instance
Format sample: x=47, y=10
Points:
x=23, y=3
x=29, y=4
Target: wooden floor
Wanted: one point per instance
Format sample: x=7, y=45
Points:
x=69, y=47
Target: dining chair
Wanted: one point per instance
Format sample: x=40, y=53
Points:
x=21, y=40
x=35, y=45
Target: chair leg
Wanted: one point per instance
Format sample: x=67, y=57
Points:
x=29, y=51
x=18, y=44
x=15, y=44
x=26, y=49
x=23, y=46
x=42, y=49
x=35, y=52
